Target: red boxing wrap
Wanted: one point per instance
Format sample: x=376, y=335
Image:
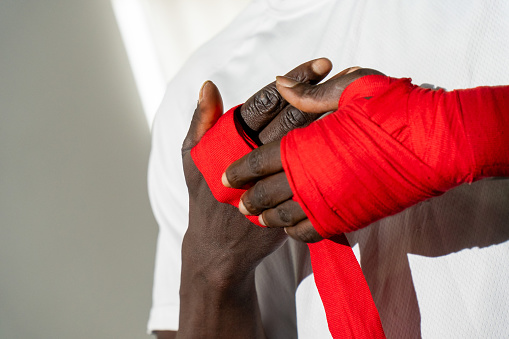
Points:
x=224, y=143
x=350, y=310
x=392, y=144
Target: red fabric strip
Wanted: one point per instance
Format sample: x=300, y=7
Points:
x=217, y=149
x=375, y=157
x=349, y=306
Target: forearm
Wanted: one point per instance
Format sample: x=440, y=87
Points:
x=210, y=311
x=217, y=301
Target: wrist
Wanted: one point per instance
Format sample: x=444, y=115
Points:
x=217, y=303
x=206, y=265
x=214, y=288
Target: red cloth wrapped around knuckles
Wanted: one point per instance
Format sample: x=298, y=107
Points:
x=390, y=145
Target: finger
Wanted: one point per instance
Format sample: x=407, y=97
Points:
x=286, y=214
x=322, y=97
x=266, y=193
x=289, y=119
x=262, y=107
x=259, y=163
x=208, y=111
x=304, y=231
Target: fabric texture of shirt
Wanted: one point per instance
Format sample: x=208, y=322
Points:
x=438, y=269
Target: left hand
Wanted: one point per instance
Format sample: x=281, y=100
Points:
x=269, y=117
x=271, y=195
x=221, y=248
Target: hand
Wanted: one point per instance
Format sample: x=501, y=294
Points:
x=221, y=248
x=215, y=227
x=270, y=197
x=269, y=117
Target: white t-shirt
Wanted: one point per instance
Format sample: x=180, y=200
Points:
x=439, y=269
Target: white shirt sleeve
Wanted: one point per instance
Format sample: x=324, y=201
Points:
x=169, y=200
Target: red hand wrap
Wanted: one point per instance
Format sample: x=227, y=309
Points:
x=350, y=310
x=224, y=143
x=406, y=144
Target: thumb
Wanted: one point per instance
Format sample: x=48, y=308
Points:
x=206, y=114
x=323, y=97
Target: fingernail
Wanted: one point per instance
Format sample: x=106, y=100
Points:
x=286, y=230
x=224, y=180
x=286, y=82
x=243, y=208
x=200, y=96
x=261, y=221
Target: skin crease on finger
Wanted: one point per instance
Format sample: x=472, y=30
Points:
x=257, y=164
x=286, y=214
x=266, y=193
x=260, y=109
x=289, y=119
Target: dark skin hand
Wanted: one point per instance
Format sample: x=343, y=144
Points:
x=271, y=195
x=221, y=248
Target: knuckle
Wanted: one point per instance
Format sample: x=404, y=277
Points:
x=255, y=163
x=261, y=197
x=294, y=118
x=285, y=217
x=267, y=100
